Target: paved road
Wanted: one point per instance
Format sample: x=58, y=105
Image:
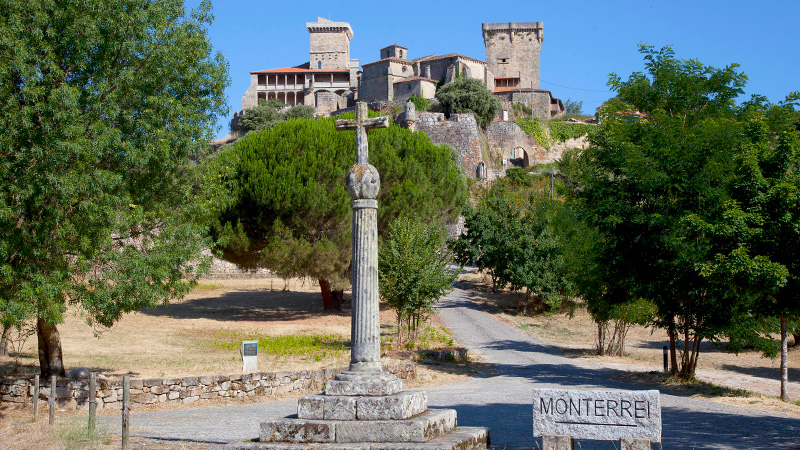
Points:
x=502, y=402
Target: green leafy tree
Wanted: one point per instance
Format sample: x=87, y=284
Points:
x=573, y=106
x=103, y=103
x=519, y=236
x=289, y=186
x=263, y=115
x=414, y=271
x=658, y=191
x=469, y=95
x=768, y=187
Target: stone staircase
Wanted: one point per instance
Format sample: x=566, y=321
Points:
x=361, y=411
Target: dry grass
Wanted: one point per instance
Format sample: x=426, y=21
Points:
x=198, y=336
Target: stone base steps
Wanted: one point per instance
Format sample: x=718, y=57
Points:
x=421, y=428
x=462, y=438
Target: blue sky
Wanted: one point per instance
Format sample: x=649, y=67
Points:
x=584, y=41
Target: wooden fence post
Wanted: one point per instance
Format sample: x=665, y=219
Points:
x=126, y=398
x=92, y=402
x=52, y=399
x=35, y=397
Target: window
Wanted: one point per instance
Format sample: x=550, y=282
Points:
x=503, y=60
x=319, y=64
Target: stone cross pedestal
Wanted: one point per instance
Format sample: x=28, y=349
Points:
x=366, y=408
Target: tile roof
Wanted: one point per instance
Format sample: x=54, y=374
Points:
x=449, y=55
x=415, y=78
x=302, y=68
x=392, y=59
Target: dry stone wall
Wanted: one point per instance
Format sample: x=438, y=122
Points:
x=460, y=132
x=74, y=394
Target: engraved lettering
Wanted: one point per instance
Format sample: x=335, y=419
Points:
x=637, y=408
x=560, y=402
x=574, y=407
x=598, y=408
x=623, y=407
x=544, y=406
x=611, y=408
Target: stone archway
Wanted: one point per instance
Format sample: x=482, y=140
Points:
x=518, y=157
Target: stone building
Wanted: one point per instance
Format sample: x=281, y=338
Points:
x=395, y=77
x=512, y=54
x=328, y=81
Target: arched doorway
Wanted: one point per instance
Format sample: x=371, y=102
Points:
x=519, y=157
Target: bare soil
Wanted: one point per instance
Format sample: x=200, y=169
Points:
x=748, y=379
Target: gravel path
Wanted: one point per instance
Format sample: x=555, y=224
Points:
x=501, y=402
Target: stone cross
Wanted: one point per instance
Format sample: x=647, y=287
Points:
x=361, y=124
x=363, y=184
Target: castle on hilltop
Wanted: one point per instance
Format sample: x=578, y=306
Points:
x=331, y=80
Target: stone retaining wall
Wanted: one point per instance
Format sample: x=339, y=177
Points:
x=74, y=394
x=460, y=132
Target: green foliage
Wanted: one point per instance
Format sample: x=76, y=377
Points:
x=535, y=128
x=104, y=104
x=547, y=133
x=289, y=191
x=421, y=103
x=300, y=112
x=573, y=106
x=267, y=113
x=413, y=270
x=469, y=95
x=264, y=115
x=522, y=110
x=520, y=238
x=311, y=345
x=74, y=434
x=561, y=131
x=660, y=193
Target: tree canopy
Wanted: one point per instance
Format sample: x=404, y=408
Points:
x=414, y=271
x=469, y=95
x=291, y=202
x=103, y=105
x=267, y=114
x=660, y=191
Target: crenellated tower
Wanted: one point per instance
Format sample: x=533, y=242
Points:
x=512, y=53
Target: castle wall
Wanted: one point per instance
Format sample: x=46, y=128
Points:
x=414, y=88
x=542, y=103
x=513, y=49
x=460, y=132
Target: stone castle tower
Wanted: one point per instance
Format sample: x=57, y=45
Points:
x=330, y=44
x=512, y=53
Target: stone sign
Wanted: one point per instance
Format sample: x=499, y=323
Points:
x=598, y=415
x=249, y=356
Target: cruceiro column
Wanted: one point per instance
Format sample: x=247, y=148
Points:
x=364, y=376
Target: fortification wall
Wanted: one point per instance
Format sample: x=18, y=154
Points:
x=74, y=394
x=460, y=132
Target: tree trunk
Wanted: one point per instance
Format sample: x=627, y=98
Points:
x=51, y=361
x=784, y=360
x=601, y=338
x=673, y=351
x=5, y=341
x=331, y=300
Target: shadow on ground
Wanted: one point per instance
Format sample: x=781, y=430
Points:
x=248, y=306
